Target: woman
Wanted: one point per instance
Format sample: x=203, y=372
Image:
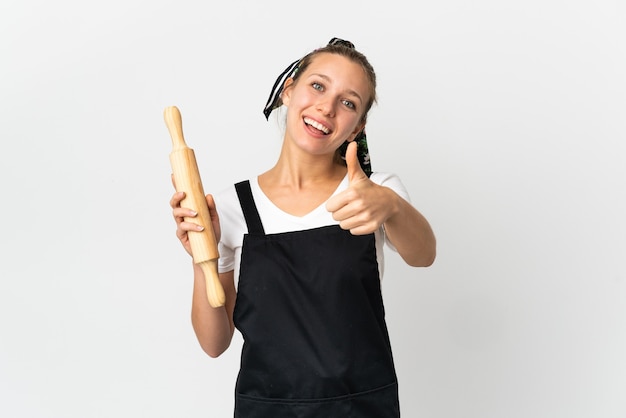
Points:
x=301, y=252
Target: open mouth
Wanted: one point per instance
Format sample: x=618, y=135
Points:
x=316, y=125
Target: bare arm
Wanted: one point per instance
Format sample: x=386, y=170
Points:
x=214, y=327
x=410, y=233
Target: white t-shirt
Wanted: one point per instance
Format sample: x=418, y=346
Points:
x=233, y=225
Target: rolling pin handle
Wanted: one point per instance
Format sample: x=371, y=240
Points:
x=174, y=123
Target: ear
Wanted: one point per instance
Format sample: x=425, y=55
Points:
x=356, y=131
x=285, y=96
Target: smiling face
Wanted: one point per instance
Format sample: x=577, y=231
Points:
x=327, y=104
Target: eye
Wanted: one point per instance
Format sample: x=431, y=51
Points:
x=317, y=86
x=348, y=104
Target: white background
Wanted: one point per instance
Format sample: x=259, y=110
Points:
x=505, y=120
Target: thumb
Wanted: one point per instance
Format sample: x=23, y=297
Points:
x=355, y=172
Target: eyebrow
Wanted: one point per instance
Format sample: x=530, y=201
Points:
x=349, y=91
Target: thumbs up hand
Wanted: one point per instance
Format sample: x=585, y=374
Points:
x=364, y=206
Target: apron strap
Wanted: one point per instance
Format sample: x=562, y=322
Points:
x=250, y=212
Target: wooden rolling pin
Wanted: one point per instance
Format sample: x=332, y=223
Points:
x=187, y=179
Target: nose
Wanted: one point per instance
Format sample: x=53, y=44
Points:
x=326, y=107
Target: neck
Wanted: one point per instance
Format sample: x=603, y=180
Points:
x=297, y=169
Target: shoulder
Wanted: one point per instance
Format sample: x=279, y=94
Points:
x=226, y=199
x=232, y=221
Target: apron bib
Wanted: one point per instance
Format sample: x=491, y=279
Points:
x=310, y=310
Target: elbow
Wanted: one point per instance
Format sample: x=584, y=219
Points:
x=430, y=260
x=430, y=253
x=423, y=260
x=214, y=351
x=213, y=354
x=214, y=345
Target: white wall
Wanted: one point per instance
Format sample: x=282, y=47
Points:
x=506, y=121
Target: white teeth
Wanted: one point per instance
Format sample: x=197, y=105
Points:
x=316, y=125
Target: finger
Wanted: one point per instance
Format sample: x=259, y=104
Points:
x=212, y=208
x=185, y=227
x=358, y=225
x=362, y=230
x=336, y=202
x=355, y=172
x=182, y=232
x=210, y=202
x=176, y=199
x=181, y=213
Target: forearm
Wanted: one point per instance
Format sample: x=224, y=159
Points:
x=410, y=233
x=214, y=327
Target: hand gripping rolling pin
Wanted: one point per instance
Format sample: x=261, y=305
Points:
x=187, y=179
